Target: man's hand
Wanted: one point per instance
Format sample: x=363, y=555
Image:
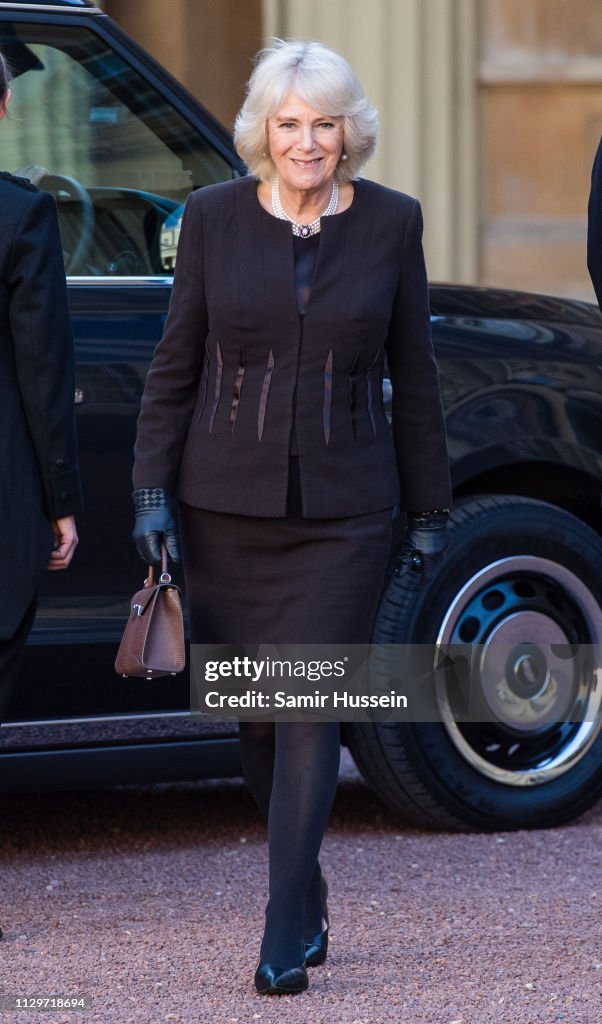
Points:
x=65, y=542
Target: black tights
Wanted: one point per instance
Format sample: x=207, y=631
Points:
x=291, y=769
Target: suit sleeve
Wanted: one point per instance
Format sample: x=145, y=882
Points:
x=173, y=378
x=418, y=422
x=594, y=226
x=41, y=329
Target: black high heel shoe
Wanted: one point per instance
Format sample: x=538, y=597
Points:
x=280, y=981
x=317, y=948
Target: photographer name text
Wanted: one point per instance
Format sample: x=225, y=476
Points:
x=248, y=699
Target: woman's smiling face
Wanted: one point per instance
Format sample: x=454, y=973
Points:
x=305, y=145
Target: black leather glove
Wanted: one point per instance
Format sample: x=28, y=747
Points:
x=427, y=533
x=155, y=522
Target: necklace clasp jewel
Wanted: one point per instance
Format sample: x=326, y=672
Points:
x=304, y=230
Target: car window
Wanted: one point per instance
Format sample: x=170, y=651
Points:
x=86, y=126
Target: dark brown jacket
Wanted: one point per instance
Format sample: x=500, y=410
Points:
x=236, y=368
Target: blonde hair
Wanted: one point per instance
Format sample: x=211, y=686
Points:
x=321, y=78
x=5, y=76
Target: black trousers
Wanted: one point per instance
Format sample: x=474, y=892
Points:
x=11, y=656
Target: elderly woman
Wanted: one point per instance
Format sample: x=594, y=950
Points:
x=263, y=415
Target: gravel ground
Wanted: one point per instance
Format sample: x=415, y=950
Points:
x=149, y=902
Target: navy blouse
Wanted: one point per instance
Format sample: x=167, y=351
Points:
x=306, y=254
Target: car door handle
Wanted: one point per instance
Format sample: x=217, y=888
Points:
x=79, y=396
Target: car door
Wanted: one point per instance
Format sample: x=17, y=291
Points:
x=120, y=145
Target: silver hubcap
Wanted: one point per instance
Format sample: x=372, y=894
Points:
x=527, y=635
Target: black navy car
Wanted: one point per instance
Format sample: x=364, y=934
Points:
x=120, y=144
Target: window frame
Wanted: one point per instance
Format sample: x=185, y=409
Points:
x=172, y=91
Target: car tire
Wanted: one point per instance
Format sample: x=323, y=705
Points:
x=511, y=561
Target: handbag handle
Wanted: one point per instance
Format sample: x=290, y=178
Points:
x=165, y=577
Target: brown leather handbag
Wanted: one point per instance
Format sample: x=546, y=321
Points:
x=153, y=640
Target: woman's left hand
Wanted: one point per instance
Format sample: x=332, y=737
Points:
x=427, y=533
x=65, y=543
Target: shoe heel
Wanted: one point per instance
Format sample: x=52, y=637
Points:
x=317, y=948
x=315, y=952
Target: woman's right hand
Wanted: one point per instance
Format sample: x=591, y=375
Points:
x=155, y=523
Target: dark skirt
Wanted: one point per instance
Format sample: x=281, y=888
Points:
x=253, y=580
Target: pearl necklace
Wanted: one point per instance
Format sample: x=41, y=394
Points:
x=304, y=230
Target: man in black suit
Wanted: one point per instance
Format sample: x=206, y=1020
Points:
x=594, y=226
x=40, y=487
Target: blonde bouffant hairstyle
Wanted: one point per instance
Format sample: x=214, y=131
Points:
x=5, y=77
x=321, y=78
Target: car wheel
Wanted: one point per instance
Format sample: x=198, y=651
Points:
x=521, y=579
